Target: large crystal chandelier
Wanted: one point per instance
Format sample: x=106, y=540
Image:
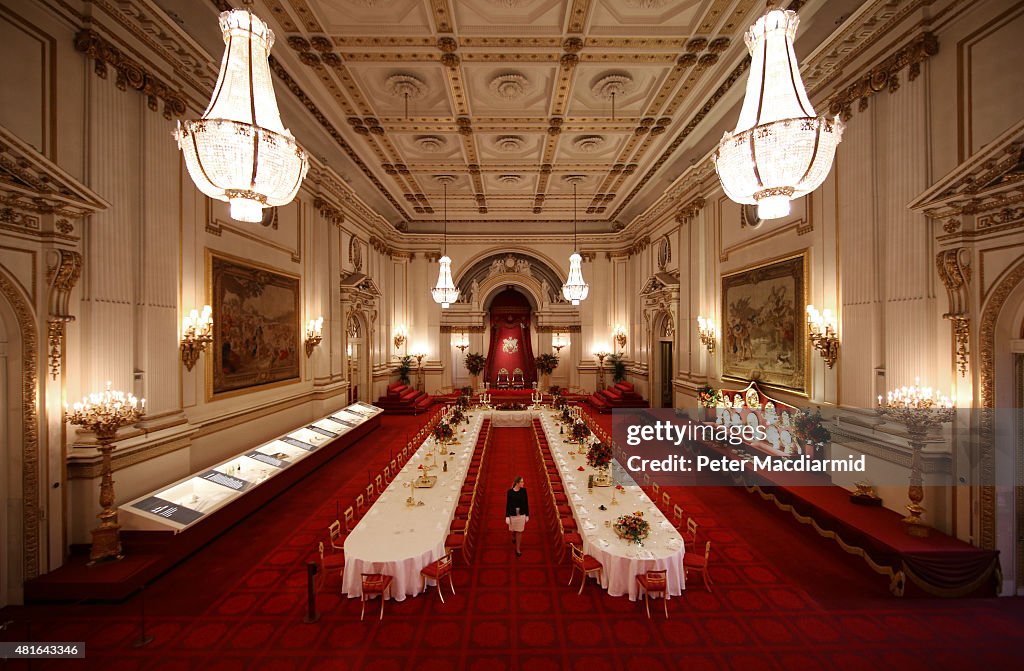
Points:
x=445, y=292
x=239, y=151
x=780, y=150
x=575, y=289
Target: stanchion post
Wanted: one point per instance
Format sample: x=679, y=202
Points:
x=311, y=614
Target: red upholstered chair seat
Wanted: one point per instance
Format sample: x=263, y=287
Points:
x=462, y=511
x=458, y=525
x=564, y=510
x=651, y=584
x=575, y=539
x=590, y=564
x=376, y=583
x=433, y=571
x=569, y=523
x=695, y=561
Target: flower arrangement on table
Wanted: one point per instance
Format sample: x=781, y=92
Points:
x=810, y=430
x=580, y=431
x=708, y=396
x=633, y=528
x=444, y=433
x=599, y=455
x=457, y=417
x=462, y=402
x=566, y=414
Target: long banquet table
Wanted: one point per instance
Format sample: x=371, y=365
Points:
x=399, y=541
x=622, y=560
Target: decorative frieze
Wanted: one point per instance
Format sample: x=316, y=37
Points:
x=884, y=76
x=130, y=73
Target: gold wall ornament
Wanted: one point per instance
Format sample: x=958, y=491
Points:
x=130, y=73
x=823, y=331
x=103, y=414
x=619, y=336
x=400, y=335
x=953, y=266
x=961, y=338
x=884, y=76
x=314, y=334
x=55, y=346
x=196, y=335
x=919, y=409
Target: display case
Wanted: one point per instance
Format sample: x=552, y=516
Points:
x=181, y=504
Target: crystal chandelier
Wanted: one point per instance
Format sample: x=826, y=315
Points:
x=780, y=150
x=445, y=292
x=239, y=151
x=575, y=289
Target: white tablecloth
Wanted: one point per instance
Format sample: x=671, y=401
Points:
x=622, y=560
x=501, y=418
x=399, y=541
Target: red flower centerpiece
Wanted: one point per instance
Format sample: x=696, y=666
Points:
x=443, y=433
x=633, y=528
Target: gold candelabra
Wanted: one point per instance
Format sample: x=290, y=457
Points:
x=104, y=413
x=419, y=370
x=557, y=342
x=600, y=369
x=919, y=409
x=706, y=331
x=462, y=344
x=823, y=330
x=314, y=335
x=196, y=334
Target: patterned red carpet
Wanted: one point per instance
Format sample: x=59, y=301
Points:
x=780, y=600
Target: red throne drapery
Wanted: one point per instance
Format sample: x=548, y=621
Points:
x=511, y=345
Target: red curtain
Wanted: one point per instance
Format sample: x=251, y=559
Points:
x=510, y=338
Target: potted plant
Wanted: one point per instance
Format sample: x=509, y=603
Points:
x=618, y=367
x=475, y=364
x=404, y=368
x=546, y=365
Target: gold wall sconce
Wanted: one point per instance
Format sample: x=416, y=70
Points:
x=400, y=336
x=462, y=342
x=706, y=330
x=314, y=334
x=619, y=336
x=824, y=333
x=196, y=334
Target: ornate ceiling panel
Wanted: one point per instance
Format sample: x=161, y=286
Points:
x=510, y=96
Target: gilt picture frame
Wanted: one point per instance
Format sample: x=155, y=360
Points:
x=256, y=333
x=763, y=332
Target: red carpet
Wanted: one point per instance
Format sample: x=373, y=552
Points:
x=778, y=602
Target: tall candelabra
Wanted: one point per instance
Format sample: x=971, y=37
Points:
x=918, y=409
x=104, y=413
x=600, y=368
x=419, y=371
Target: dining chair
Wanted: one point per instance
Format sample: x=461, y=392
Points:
x=375, y=584
x=350, y=519
x=436, y=571
x=334, y=535
x=328, y=565
x=654, y=582
x=586, y=565
x=690, y=535
x=699, y=564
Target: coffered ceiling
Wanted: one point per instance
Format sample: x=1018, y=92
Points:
x=511, y=97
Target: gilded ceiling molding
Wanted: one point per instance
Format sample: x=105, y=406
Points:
x=986, y=355
x=29, y=359
x=884, y=76
x=329, y=212
x=130, y=73
x=690, y=210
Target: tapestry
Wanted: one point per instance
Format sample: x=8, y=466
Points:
x=762, y=324
x=256, y=340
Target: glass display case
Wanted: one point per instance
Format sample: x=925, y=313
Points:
x=181, y=504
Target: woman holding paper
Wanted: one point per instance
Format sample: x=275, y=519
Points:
x=517, y=511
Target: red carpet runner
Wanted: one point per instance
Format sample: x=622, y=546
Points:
x=238, y=604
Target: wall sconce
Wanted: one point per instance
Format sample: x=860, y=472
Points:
x=824, y=332
x=558, y=341
x=401, y=335
x=619, y=336
x=196, y=334
x=314, y=334
x=706, y=330
x=462, y=342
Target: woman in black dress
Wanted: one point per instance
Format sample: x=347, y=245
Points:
x=517, y=511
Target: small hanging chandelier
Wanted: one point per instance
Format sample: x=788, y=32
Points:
x=239, y=151
x=445, y=292
x=575, y=289
x=780, y=150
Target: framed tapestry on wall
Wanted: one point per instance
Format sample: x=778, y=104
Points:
x=763, y=329
x=256, y=339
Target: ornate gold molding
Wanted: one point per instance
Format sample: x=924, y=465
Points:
x=31, y=515
x=328, y=211
x=884, y=76
x=55, y=346
x=986, y=448
x=954, y=270
x=130, y=73
x=63, y=276
x=690, y=210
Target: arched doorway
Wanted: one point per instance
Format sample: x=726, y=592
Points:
x=510, y=359
x=19, y=433
x=663, y=348
x=1001, y=444
x=357, y=354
